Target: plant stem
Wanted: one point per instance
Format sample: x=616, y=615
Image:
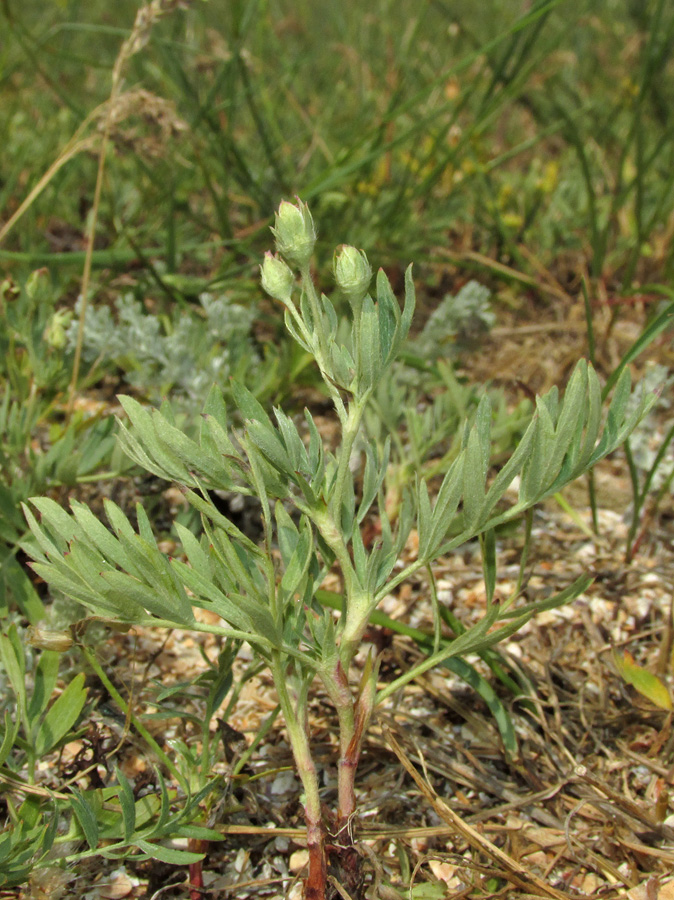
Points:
x=348, y=762
x=299, y=741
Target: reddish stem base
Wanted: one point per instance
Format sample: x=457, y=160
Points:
x=196, y=872
x=340, y=859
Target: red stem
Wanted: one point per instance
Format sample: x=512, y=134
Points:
x=316, y=883
x=196, y=872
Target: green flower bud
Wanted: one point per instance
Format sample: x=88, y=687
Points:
x=37, y=283
x=352, y=272
x=295, y=233
x=55, y=332
x=277, y=279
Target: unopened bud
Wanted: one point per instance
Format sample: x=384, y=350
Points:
x=37, y=283
x=277, y=278
x=295, y=233
x=55, y=332
x=352, y=272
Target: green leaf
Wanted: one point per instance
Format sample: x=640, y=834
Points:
x=480, y=684
x=510, y=470
x=408, y=309
x=118, y=520
x=360, y=558
x=662, y=321
x=299, y=562
x=14, y=662
x=218, y=440
x=572, y=416
x=475, y=465
x=316, y=451
x=127, y=803
x=10, y=731
x=488, y=547
x=648, y=685
x=57, y=518
x=616, y=410
x=144, y=526
x=220, y=686
x=146, y=809
x=200, y=833
x=593, y=422
x=446, y=505
x=173, y=441
x=168, y=854
x=249, y=407
x=267, y=441
x=424, y=521
x=293, y=442
x=123, y=588
x=330, y=314
x=15, y=584
x=99, y=535
x=164, y=804
x=196, y=554
x=240, y=612
x=132, y=447
x=533, y=473
x=101, y=603
x=287, y=533
x=44, y=683
x=373, y=477
x=343, y=365
x=295, y=333
x=369, y=363
x=61, y=716
x=569, y=593
x=234, y=564
x=86, y=816
x=209, y=511
x=148, y=431
x=164, y=594
x=428, y=890
x=85, y=565
x=405, y=522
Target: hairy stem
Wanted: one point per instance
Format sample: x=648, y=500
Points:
x=299, y=741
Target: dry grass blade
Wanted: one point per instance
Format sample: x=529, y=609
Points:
x=549, y=286
x=621, y=805
x=516, y=873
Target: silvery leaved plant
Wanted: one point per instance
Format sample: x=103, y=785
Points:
x=184, y=354
x=314, y=505
x=456, y=322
